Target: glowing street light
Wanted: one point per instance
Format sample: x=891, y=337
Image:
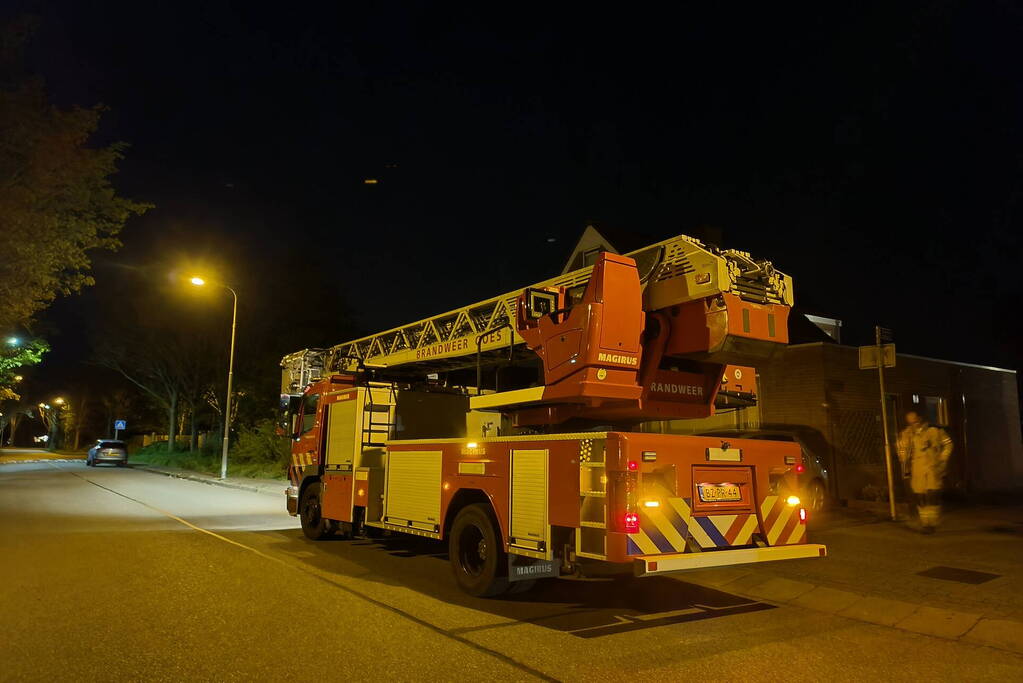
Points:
x=18, y=378
x=199, y=282
x=59, y=401
x=13, y=341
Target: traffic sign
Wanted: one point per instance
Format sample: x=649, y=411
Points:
x=120, y=425
x=868, y=356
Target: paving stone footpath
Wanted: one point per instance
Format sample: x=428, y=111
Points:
x=965, y=582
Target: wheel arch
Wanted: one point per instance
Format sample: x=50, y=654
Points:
x=464, y=498
x=306, y=482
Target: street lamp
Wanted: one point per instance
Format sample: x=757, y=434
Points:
x=13, y=341
x=199, y=282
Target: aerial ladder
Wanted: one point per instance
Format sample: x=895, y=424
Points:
x=511, y=427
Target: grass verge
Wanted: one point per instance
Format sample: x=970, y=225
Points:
x=205, y=462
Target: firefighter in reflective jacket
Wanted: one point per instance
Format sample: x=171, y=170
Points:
x=924, y=451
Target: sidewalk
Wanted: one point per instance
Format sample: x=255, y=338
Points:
x=966, y=581
x=268, y=486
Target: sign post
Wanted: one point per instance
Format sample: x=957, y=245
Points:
x=882, y=356
x=119, y=425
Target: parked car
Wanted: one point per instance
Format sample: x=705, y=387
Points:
x=814, y=480
x=107, y=450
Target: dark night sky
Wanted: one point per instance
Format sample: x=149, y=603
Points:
x=873, y=152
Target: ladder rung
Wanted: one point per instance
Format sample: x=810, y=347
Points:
x=595, y=494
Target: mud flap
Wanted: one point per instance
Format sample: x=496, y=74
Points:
x=521, y=568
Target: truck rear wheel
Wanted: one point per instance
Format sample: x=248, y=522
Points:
x=477, y=557
x=314, y=526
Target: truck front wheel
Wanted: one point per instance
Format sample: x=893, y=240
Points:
x=477, y=556
x=314, y=526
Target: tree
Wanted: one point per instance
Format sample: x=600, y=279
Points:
x=14, y=356
x=72, y=417
x=13, y=412
x=56, y=199
x=116, y=402
x=163, y=345
x=154, y=364
x=52, y=416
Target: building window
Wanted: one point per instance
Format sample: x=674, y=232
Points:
x=590, y=255
x=936, y=410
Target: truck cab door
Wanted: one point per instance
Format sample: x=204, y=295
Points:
x=305, y=447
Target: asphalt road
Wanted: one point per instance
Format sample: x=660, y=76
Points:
x=114, y=574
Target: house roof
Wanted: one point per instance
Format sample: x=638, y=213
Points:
x=622, y=241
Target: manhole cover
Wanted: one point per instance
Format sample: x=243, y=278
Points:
x=956, y=574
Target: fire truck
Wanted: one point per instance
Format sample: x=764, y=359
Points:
x=515, y=429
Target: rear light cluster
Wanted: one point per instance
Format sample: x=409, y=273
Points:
x=625, y=509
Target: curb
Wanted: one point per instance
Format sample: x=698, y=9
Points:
x=33, y=460
x=1002, y=634
x=181, y=474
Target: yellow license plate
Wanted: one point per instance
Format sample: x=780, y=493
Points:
x=713, y=493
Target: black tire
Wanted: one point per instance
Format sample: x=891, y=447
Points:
x=817, y=496
x=314, y=526
x=478, y=560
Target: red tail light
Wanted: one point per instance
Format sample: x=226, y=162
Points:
x=623, y=513
x=633, y=465
x=800, y=468
x=802, y=515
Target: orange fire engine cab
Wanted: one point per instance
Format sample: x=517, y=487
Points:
x=517, y=429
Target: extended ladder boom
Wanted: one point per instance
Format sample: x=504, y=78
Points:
x=676, y=271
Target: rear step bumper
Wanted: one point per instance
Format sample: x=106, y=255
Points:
x=649, y=565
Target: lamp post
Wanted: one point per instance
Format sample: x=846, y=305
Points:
x=199, y=282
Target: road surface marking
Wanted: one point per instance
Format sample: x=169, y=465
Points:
x=373, y=601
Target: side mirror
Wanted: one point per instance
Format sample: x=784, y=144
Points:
x=296, y=421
